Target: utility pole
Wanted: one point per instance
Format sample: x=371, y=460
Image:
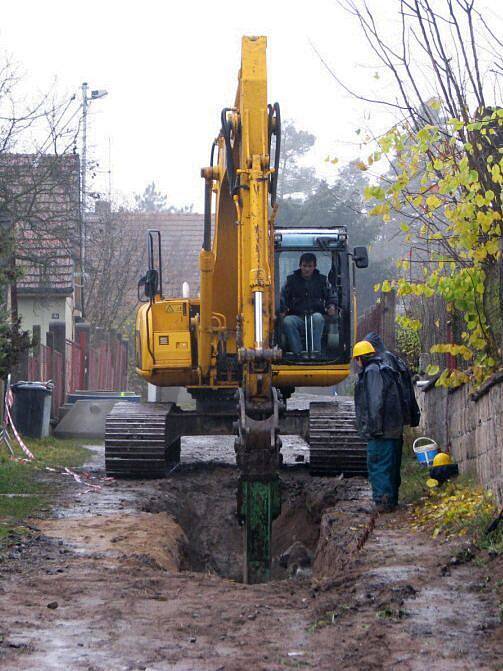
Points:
x=86, y=99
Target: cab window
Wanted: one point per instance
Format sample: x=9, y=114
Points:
x=298, y=334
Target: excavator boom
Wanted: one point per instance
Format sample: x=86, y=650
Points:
x=245, y=172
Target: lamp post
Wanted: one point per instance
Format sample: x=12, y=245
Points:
x=86, y=99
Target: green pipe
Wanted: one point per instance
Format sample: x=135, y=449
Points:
x=260, y=505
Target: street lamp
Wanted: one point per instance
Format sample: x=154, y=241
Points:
x=86, y=99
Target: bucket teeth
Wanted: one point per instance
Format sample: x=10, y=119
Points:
x=335, y=446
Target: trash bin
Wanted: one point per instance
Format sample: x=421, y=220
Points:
x=31, y=410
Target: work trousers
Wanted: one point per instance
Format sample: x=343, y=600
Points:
x=295, y=332
x=384, y=457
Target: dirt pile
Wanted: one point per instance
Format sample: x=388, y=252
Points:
x=157, y=538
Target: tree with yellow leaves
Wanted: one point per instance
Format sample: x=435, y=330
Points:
x=446, y=158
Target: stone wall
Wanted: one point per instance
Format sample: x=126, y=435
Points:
x=470, y=426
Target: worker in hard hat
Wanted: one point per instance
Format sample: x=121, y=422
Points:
x=411, y=412
x=379, y=418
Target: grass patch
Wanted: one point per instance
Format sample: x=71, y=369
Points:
x=22, y=490
x=328, y=618
x=391, y=613
x=492, y=542
x=414, y=477
x=57, y=452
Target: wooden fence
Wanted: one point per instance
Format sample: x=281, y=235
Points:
x=46, y=364
x=98, y=362
x=380, y=318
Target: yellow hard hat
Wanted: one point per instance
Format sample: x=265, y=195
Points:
x=442, y=459
x=363, y=347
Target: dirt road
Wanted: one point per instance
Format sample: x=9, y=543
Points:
x=145, y=575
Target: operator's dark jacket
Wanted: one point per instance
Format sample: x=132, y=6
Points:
x=300, y=296
x=411, y=411
x=378, y=403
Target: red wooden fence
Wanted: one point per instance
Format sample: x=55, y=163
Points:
x=74, y=374
x=103, y=368
x=46, y=364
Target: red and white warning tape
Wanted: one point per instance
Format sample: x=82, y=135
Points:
x=8, y=425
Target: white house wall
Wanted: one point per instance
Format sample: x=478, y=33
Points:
x=40, y=310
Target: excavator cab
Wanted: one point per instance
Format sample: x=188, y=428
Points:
x=329, y=245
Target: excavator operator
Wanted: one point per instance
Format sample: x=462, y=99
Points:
x=305, y=299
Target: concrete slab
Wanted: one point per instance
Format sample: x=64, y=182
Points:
x=85, y=419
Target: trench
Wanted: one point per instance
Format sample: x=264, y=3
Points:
x=202, y=500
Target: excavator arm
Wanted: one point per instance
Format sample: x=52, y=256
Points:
x=238, y=267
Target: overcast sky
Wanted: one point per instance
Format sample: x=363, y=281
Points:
x=170, y=67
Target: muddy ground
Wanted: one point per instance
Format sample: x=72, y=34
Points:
x=146, y=575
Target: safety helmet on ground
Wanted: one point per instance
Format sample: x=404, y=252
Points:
x=442, y=459
x=363, y=347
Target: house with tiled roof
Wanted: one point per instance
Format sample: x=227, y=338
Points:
x=46, y=288
x=181, y=242
x=41, y=195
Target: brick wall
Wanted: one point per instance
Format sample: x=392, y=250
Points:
x=471, y=426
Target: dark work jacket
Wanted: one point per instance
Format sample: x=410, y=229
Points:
x=411, y=412
x=378, y=403
x=300, y=296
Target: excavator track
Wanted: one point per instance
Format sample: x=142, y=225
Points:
x=136, y=440
x=335, y=446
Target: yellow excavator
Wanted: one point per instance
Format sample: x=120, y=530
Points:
x=228, y=347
